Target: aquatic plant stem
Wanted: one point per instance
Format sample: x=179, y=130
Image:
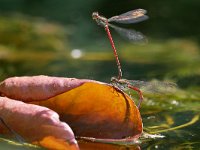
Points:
x=194, y=119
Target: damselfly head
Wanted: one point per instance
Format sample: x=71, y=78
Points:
x=95, y=15
x=99, y=19
x=113, y=79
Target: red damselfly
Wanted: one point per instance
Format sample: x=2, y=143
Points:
x=137, y=85
x=133, y=16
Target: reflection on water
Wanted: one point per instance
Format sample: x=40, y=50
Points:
x=76, y=53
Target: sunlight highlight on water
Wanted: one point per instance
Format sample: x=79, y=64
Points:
x=76, y=53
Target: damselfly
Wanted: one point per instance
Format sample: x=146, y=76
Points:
x=137, y=85
x=133, y=16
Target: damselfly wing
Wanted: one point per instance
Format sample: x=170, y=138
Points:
x=130, y=34
x=133, y=16
x=153, y=86
x=130, y=17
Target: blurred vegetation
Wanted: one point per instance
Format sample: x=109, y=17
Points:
x=25, y=33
